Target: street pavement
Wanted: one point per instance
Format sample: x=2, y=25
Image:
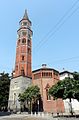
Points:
x=34, y=117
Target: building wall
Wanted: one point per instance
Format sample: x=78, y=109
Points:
x=63, y=76
x=44, y=83
x=74, y=102
x=17, y=85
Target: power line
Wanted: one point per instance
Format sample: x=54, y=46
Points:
x=60, y=23
x=52, y=34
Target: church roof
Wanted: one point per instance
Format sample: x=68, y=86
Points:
x=46, y=69
x=67, y=72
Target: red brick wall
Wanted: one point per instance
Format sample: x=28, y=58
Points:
x=43, y=82
x=22, y=50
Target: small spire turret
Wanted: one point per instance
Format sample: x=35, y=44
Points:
x=25, y=15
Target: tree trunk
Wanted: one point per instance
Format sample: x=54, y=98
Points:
x=30, y=106
x=71, y=111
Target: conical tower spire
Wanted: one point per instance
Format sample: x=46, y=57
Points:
x=25, y=15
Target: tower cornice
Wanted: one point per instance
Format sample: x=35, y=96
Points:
x=25, y=28
x=25, y=19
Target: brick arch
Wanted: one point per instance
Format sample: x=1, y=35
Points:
x=24, y=40
x=47, y=86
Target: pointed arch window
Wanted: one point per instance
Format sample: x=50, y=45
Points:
x=24, y=33
x=29, y=42
x=29, y=35
x=29, y=51
x=48, y=96
x=23, y=41
x=24, y=23
x=22, y=57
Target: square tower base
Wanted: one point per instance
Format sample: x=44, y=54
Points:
x=17, y=85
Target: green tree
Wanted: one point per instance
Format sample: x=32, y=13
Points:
x=76, y=75
x=67, y=88
x=4, y=90
x=31, y=95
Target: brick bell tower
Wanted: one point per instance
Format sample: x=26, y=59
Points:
x=22, y=74
x=23, y=48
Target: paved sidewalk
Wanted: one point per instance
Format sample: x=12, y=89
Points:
x=26, y=117
x=33, y=117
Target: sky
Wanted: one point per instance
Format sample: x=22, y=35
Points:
x=55, y=26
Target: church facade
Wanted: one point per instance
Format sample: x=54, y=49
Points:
x=23, y=76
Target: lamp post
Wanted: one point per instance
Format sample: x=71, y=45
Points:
x=38, y=105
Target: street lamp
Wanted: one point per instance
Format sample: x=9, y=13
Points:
x=38, y=105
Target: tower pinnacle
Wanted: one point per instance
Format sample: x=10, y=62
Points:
x=25, y=15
